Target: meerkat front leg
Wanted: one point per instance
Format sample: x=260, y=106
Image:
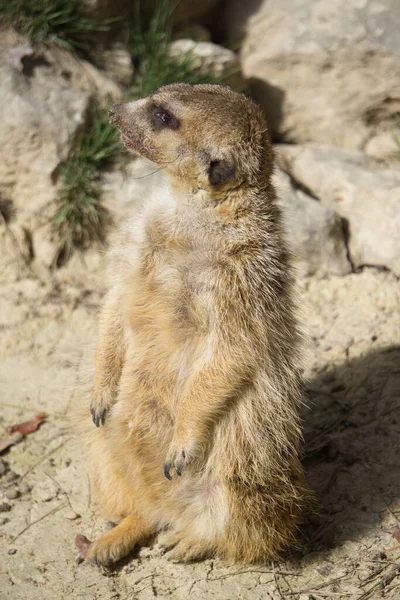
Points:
x=110, y=354
x=207, y=395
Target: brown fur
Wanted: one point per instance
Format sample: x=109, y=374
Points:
x=197, y=362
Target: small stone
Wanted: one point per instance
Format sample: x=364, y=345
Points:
x=4, y=507
x=4, y=520
x=3, y=467
x=72, y=515
x=11, y=476
x=17, y=437
x=67, y=462
x=12, y=494
x=12, y=551
x=24, y=488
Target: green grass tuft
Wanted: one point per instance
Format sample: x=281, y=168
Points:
x=80, y=218
x=54, y=21
x=149, y=39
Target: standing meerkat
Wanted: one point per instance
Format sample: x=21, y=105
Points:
x=197, y=381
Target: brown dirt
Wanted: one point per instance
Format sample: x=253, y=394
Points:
x=350, y=546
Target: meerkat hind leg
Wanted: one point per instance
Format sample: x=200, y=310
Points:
x=119, y=541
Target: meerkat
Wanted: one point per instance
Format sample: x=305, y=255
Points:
x=196, y=390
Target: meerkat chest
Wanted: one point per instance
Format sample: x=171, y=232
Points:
x=171, y=292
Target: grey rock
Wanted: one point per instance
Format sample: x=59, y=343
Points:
x=366, y=195
x=24, y=488
x=3, y=467
x=210, y=58
x=71, y=515
x=12, y=493
x=11, y=476
x=314, y=232
x=325, y=70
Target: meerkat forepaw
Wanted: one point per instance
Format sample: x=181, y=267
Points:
x=101, y=403
x=98, y=417
x=179, y=456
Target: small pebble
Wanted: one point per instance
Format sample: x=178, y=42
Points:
x=12, y=494
x=24, y=488
x=3, y=467
x=4, y=520
x=71, y=515
x=4, y=507
x=17, y=437
x=12, y=551
x=11, y=476
x=67, y=462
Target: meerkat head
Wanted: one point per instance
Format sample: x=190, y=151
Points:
x=205, y=137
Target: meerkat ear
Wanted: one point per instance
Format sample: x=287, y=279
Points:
x=221, y=171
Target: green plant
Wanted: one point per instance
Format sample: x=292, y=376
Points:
x=80, y=218
x=55, y=21
x=149, y=39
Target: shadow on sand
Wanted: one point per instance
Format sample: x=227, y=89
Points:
x=352, y=445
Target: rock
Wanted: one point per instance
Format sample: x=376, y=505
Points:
x=12, y=494
x=71, y=515
x=4, y=507
x=45, y=102
x=384, y=146
x=313, y=231
x=211, y=58
x=3, y=467
x=12, y=551
x=363, y=193
x=11, y=476
x=117, y=63
x=325, y=70
x=40, y=114
x=24, y=488
x=44, y=491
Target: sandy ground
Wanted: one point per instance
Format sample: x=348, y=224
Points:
x=350, y=546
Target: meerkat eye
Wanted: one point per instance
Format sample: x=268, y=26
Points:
x=163, y=118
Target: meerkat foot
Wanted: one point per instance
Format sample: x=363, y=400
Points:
x=189, y=550
x=168, y=540
x=119, y=541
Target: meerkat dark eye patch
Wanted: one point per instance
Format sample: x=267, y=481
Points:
x=163, y=119
x=221, y=171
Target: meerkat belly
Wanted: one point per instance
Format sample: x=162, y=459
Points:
x=166, y=331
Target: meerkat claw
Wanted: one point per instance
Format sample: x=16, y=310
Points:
x=167, y=467
x=98, y=418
